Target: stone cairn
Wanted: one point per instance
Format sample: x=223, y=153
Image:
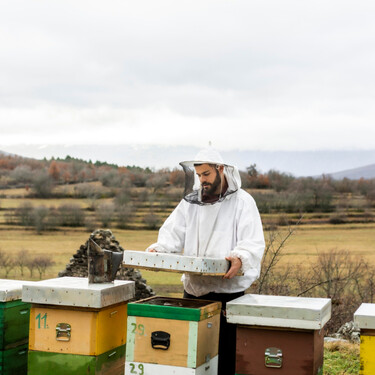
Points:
x=78, y=265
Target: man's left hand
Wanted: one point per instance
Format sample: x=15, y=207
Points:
x=235, y=266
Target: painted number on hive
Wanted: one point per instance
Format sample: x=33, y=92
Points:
x=39, y=318
x=134, y=369
x=138, y=329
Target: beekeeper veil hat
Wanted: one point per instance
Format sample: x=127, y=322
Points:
x=193, y=187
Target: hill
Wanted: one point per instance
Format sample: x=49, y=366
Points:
x=366, y=172
x=298, y=163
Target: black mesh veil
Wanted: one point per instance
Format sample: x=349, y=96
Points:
x=193, y=190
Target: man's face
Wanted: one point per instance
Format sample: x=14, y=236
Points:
x=210, y=178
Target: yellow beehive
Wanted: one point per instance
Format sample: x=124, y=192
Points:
x=364, y=318
x=70, y=316
x=77, y=331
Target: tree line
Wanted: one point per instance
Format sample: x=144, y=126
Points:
x=129, y=188
x=21, y=261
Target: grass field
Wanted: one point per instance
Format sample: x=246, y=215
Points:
x=305, y=244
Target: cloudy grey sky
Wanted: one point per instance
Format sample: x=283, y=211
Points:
x=252, y=74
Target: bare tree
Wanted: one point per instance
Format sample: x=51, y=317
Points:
x=30, y=265
x=151, y=220
x=105, y=213
x=42, y=263
x=272, y=254
x=40, y=217
x=7, y=262
x=21, y=259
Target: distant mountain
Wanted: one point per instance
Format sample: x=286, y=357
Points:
x=298, y=163
x=366, y=172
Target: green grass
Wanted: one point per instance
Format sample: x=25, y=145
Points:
x=341, y=358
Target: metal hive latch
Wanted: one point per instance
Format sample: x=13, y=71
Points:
x=273, y=357
x=63, y=332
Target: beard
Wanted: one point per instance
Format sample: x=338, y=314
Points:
x=209, y=188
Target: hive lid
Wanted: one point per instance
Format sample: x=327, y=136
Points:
x=364, y=317
x=174, y=308
x=76, y=291
x=279, y=311
x=176, y=263
x=11, y=290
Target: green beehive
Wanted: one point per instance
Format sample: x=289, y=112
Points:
x=14, y=328
x=111, y=362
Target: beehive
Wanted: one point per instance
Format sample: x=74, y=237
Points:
x=279, y=335
x=172, y=336
x=14, y=328
x=364, y=318
x=77, y=324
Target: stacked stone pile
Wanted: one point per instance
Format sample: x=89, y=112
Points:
x=78, y=265
x=349, y=331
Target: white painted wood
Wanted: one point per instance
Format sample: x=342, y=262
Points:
x=174, y=262
x=364, y=317
x=76, y=291
x=137, y=368
x=11, y=290
x=279, y=311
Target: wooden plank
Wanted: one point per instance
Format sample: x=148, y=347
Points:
x=209, y=368
x=149, y=268
x=174, y=308
x=208, y=338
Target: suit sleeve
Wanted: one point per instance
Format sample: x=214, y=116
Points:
x=250, y=239
x=171, y=238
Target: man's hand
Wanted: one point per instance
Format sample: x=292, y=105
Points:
x=152, y=251
x=235, y=266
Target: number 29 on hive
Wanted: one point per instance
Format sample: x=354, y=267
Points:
x=137, y=369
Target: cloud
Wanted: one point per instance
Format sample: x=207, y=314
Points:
x=252, y=74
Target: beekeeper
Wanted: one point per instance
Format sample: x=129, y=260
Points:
x=216, y=219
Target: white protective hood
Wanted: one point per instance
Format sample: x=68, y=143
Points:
x=192, y=185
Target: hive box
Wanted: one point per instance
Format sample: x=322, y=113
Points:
x=364, y=318
x=14, y=328
x=176, y=263
x=172, y=336
x=109, y=363
x=77, y=325
x=280, y=335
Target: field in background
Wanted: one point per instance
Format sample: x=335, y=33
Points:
x=304, y=245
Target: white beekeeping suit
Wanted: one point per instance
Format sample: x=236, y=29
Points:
x=231, y=226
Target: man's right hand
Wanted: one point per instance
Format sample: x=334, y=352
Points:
x=152, y=251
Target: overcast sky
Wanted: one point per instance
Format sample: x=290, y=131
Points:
x=264, y=75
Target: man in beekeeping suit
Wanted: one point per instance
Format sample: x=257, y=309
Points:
x=216, y=219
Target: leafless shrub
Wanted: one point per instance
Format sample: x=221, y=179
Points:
x=152, y=221
x=23, y=213
x=275, y=243
x=21, y=259
x=41, y=263
x=30, y=265
x=105, y=213
x=70, y=215
x=7, y=263
x=125, y=214
x=40, y=218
